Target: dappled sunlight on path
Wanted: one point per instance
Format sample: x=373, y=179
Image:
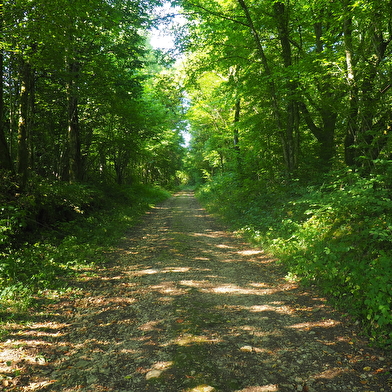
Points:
x=187, y=306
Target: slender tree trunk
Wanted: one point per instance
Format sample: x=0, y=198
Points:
x=74, y=149
x=291, y=135
x=352, y=125
x=236, y=135
x=25, y=121
x=237, y=109
x=287, y=144
x=5, y=157
x=236, y=138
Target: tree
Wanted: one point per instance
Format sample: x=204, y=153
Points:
x=5, y=157
x=318, y=69
x=367, y=38
x=67, y=65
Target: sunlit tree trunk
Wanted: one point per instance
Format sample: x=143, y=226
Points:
x=237, y=112
x=236, y=134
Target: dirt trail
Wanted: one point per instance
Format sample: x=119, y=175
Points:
x=187, y=306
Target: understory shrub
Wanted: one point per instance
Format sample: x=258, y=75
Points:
x=337, y=236
x=42, y=204
x=43, y=259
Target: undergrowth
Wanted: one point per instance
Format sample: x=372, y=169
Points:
x=51, y=232
x=337, y=235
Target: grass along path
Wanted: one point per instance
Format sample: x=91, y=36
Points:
x=184, y=305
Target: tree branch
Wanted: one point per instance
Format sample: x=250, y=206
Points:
x=316, y=131
x=219, y=15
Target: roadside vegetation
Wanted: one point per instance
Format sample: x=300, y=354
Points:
x=90, y=128
x=337, y=236
x=53, y=230
x=291, y=138
x=287, y=106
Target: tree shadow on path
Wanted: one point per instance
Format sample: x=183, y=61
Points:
x=187, y=306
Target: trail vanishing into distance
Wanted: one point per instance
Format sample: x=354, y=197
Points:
x=185, y=305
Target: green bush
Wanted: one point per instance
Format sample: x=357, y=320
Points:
x=64, y=247
x=12, y=221
x=42, y=204
x=338, y=236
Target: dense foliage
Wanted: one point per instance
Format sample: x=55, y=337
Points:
x=290, y=120
x=76, y=102
x=296, y=88
x=288, y=104
x=39, y=261
x=89, y=113
x=336, y=236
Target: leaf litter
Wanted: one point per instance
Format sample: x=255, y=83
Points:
x=184, y=305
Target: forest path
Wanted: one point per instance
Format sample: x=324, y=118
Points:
x=187, y=306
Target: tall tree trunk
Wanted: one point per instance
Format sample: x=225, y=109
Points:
x=328, y=113
x=373, y=130
x=366, y=135
x=74, y=149
x=236, y=136
x=5, y=157
x=287, y=145
x=352, y=125
x=237, y=110
x=324, y=134
x=291, y=135
x=25, y=121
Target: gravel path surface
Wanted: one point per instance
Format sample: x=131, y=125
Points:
x=184, y=305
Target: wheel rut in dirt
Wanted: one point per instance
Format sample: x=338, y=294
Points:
x=185, y=305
